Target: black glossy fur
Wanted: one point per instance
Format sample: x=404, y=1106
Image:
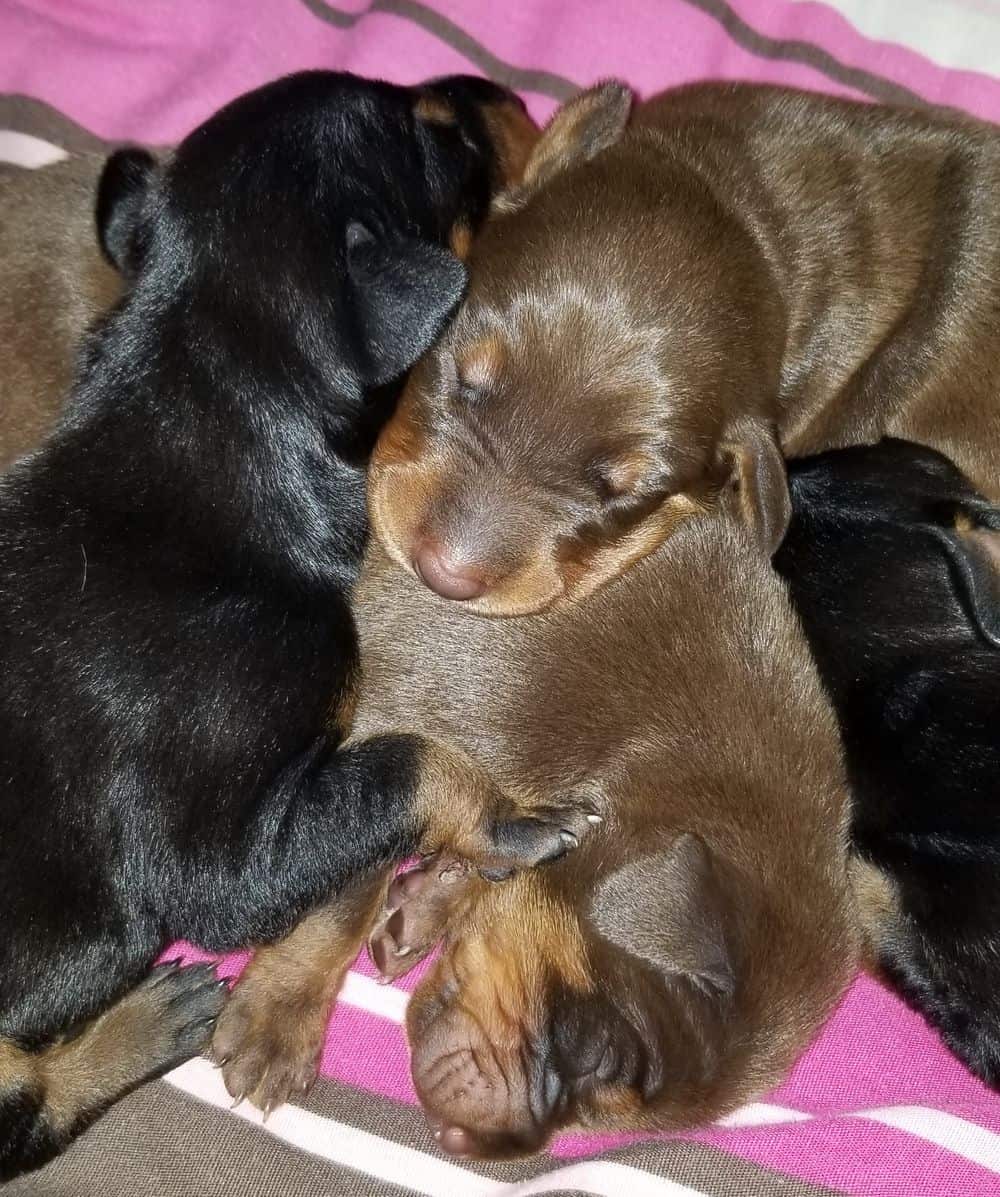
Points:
x=902, y=609
x=175, y=564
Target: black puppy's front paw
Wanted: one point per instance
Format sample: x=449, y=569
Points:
x=526, y=838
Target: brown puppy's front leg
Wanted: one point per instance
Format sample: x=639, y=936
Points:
x=269, y=1037
x=47, y=1097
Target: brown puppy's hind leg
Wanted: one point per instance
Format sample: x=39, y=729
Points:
x=47, y=1097
x=270, y=1034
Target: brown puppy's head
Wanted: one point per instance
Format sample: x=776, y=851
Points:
x=600, y=383
x=544, y=1012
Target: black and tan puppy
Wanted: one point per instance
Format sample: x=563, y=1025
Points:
x=672, y=967
x=893, y=560
x=671, y=306
x=175, y=564
x=54, y=282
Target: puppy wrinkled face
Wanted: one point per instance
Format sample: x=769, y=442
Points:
x=533, y=455
x=541, y=1015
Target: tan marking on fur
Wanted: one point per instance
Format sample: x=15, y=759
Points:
x=270, y=1034
x=589, y=572
x=877, y=904
x=480, y=364
x=514, y=135
x=434, y=110
x=460, y=239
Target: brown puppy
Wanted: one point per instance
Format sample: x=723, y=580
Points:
x=743, y=273
x=673, y=966
x=55, y=281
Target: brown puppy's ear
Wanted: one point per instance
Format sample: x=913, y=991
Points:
x=670, y=910
x=758, y=470
x=591, y=122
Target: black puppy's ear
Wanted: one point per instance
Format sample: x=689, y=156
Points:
x=670, y=910
x=974, y=551
x=579, y=131
x=404, y=291
x=758, y=469
x=121, y=195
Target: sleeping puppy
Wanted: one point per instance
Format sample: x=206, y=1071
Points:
x=668, y=309
x=175, y=564
x=55, y=281
x=675, y=965
x=893, y=561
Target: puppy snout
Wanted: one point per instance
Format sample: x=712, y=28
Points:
x=446, y=573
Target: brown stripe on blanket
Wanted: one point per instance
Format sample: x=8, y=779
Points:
x=161, y=1140
x=807, y=54
x=543, y=83
x=26, y=115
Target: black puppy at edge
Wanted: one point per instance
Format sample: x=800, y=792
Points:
x=175, y=568
x=893, y=560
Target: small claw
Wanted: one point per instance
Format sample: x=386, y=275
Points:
x=237, y=1100
x=403, y=951
x=569, y=839
x=595, y=819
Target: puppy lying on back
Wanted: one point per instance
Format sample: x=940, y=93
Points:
x=175, y=564
x=893, y=560
x=55, y=281
x=664, y=309
x=674, y=965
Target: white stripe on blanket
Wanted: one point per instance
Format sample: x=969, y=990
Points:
x=406, y=1166
x=366, y=994
x=952, y=33
x=971, y=1142
x=22, y=149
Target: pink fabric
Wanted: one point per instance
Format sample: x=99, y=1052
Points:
x=151, y=70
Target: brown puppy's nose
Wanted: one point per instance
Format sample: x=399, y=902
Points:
x=444, y=575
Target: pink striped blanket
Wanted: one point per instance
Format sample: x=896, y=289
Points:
x=876, y=1106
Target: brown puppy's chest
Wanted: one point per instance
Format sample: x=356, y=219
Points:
x=665, y=697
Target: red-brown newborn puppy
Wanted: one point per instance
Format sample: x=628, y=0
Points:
x=674, y=966
x=667, y=307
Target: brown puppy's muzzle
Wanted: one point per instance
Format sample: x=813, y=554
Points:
x=505, y=1091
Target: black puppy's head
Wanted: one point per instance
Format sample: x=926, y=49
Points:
x=320, y=216
x=896, y=540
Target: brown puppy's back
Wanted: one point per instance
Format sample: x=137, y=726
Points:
x=54, y=282
x=680, y=699
x=877, y=225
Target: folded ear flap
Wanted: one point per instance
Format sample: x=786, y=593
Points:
x=589, y=123
x=975, y=553
x=670, y=910
x=404, y=291
x=759, y=473
x=121, y=196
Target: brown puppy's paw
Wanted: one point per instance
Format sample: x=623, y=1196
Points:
x=418, y=907
x=165, y=1020
x=268, y=1043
